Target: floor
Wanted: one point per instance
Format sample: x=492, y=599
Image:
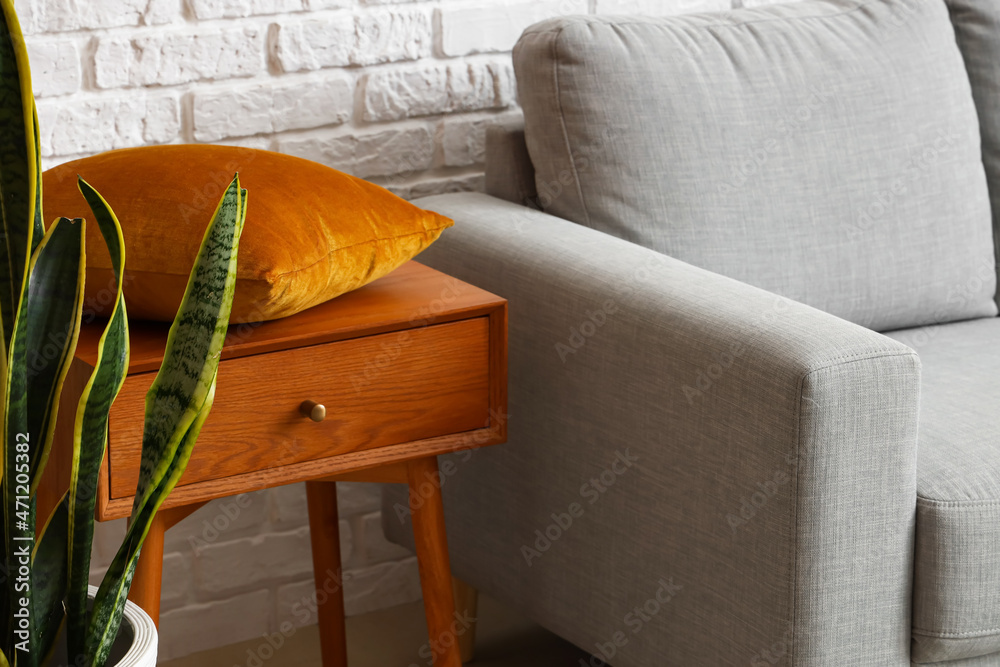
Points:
x=393, y=638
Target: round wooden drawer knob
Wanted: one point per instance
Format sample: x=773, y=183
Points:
x=315, y=411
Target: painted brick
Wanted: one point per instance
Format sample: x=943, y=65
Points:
x=55, y=67
x=497, y=26
x=217, y=9
x=316, y=5
x=297, y=603
x=94, y=125
x=355, y=498
x=199, y=627
x=225, y=567
x=342, y=39
x=463, y=140
x=435, y=186
x=661, y=7
x=63, y=15
x=314, y=44
x=402, y=150
x=379, y=586
x=390, y=583
x=437, y=89
x=178, y=579
x=108, y=536
x=289, y=509
x=265, y=143
x=371, y=547
x=392, y=35
x=26, y=10
x=268, y=107
x=221, y=520
x=179, y=57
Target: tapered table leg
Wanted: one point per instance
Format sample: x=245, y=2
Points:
x=432, y=558
x=145, y=590
x=467, y=608
x=324, y=525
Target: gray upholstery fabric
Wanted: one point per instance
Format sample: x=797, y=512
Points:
x=827, y=150
x=956, y=596
x=977, y=29
x=992, y=660
x=772, y=449
x=509, y=172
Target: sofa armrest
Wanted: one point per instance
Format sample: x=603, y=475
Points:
x=775, y=445
x=509, y=172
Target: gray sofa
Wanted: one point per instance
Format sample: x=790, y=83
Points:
x=754, y=352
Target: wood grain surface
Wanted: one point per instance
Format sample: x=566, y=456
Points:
x=378, y=390
x=410, y=297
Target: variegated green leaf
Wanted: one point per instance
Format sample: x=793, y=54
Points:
x=54, y=295
x=21, y=231
x=19, y=176
x=52, y=316
x=91, y=429
x=48, y=581
x=193, y=345
x=177, y=404
x=109, y=604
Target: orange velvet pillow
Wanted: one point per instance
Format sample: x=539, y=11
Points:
x=311, y=232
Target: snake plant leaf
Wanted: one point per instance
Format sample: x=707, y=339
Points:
x=177, y=404
x=52, y=314
x=194, y=344
x=53, y=297
x=90, y=435
x=48, y=582
x=109, y=604
x=19, y=177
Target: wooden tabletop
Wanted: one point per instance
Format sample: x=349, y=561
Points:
x=412, y=295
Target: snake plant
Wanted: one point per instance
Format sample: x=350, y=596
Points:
x=41, y=298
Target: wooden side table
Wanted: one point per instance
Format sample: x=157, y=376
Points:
x=371, y=386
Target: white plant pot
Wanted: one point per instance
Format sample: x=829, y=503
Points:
x=135, y=645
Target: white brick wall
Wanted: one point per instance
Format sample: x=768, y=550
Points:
x=396, y=91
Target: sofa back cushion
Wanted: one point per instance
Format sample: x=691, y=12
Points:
x=826, y=150
x=977, y=28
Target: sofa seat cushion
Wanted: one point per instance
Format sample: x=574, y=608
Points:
x=826, y=150
x=956, y=588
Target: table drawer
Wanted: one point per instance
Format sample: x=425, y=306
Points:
x=378, y=391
